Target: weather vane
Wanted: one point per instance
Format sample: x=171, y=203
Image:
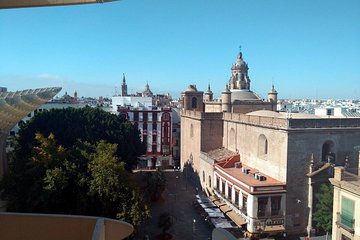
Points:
x=240, y=48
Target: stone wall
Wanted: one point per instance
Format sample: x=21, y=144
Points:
x=199, y=132
x=301, y=144
x=271, y=122
x=246, y=141
x=246, y=107
x=207, y=170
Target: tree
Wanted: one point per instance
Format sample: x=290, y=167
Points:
x=155, y=184
x=86, y=124
x=80, y=169
x=324, y=208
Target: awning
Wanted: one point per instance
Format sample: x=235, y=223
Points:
x=220, y=223
x=274, y=228
x=236, y=218
x=216, y=215
x=207, y=205
x=211, y=210
x=225, y=208
x=213, y=198
x=202, y=198
x=219, y=203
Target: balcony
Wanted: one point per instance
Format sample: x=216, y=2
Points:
x=345, y=223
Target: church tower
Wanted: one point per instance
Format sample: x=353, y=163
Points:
x=239, y=74
x=208, y=95
x=124, y=87
x=147, y=92
x=192, y=99
x=226, y=100
x=272, y=97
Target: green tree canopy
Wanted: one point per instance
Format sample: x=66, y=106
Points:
x=324, y=208
x=86, y=124
x=75, y=173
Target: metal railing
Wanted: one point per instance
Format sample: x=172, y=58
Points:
x=345, y=223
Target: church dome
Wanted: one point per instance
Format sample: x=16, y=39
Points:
x=243, y=95
x=273, y=90
x=147, y=92
x=240, y=63
x=191, y=88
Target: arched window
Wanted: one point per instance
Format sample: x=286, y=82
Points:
x=263, y=145
x=193, y=102
x=327, y=154
x=232, y=139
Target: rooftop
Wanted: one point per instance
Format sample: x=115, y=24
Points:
x=348, y=179
x=249, y=178
x=220, y=154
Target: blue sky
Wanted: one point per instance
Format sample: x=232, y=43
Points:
x=309, y=49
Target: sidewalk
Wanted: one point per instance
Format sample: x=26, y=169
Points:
x=177, y=200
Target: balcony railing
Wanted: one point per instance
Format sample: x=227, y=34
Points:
x=345, y=223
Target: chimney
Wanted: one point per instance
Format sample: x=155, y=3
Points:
x=339, y=173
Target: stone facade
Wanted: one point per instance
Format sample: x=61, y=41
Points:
x=346, y=219
x=276, y=144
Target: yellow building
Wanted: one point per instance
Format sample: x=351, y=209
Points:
x=346, y=208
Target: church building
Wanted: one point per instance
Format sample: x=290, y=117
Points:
x=281, y=158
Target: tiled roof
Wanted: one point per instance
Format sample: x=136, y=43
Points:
x=220, y=154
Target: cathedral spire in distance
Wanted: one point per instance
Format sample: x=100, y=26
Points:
x=124, y=86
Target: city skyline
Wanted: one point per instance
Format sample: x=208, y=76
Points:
x=308, y=50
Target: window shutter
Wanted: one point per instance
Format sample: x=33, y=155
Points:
x=347, y=212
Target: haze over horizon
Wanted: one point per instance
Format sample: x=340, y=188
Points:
x=308, y=49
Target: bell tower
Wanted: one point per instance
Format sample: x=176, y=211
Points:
x=124, y=87
x=239, y=74
x=208, y=95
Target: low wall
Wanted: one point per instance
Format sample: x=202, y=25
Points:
x=22, y=226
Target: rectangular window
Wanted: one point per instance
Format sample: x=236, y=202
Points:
x=262, y=204
x=154, y=116
x=347, y=212
x=229, y=193
x=236, y=198
x=275, y=205
x=136, y=116
x=154, y=149
x=223, y=188
x=244, y=202
x=145, y=116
